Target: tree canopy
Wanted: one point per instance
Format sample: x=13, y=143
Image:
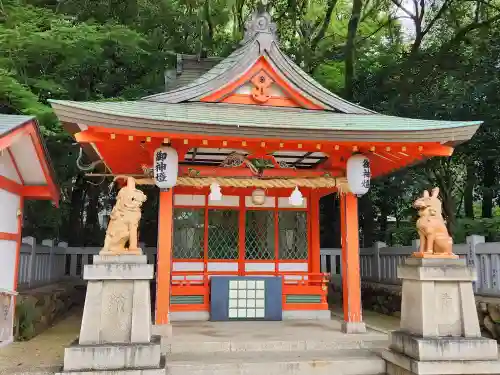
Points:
x=416, y=58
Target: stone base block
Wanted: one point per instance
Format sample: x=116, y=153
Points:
x=307, y=315
x=112, y=357
x=182, y=316
x=353, y=327
x=437, y=298
x=147, y=371
x=118, y=271
x=117, y=311
x=165, y=332
x=399, y=364
x=444, y=348
x=127, y=259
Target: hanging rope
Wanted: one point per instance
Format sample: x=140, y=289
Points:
x=313, y=183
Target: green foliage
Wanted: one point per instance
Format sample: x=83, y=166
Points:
x=26, y=317
x=116, y=50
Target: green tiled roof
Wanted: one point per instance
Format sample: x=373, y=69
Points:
x=11, y=122
x=258, y=116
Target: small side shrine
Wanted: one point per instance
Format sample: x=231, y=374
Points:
x=25, y=173
x=242, y=156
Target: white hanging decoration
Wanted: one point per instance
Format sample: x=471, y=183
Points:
x=258, y=197
x=215, y=192
x=296, y=199
x=165, y=168
x=358, y=174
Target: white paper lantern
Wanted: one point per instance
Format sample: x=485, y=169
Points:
x=166, y=166
x=358, y=174
x=296, y=199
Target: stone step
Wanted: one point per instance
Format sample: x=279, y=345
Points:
x=361, y=342
x=339, y=362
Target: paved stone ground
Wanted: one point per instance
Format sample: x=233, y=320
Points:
x=44, y=353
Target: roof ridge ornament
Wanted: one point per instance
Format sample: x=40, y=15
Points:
x=260, y=25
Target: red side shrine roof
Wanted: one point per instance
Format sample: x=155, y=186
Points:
x=27, y=169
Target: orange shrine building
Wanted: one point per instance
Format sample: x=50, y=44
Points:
x=274, y=141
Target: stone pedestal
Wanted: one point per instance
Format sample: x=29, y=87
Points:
x=439, y=331
x=115, y=336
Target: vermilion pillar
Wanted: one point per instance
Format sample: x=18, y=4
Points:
x=314, y=254
x=164, y=257
x=351, y=281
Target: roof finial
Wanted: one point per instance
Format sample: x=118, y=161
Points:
x=260, y=23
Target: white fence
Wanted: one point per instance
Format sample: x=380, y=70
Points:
x=379, y=263
x=46, y=262
x=40, y=264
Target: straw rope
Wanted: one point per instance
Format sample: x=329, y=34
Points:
x=313, y=183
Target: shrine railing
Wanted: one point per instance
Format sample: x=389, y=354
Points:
x=45, y=262
x=191, y=291
x=379, y=263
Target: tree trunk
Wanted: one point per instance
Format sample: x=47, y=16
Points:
x=367, y=220
x=74, y=225
x=449, y=210
x=350, y=49
x=92, y=228
x=469, y=191
x=488, y=183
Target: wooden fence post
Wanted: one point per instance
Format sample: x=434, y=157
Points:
x=473, y=241
x=62, y=266
x=376, y=259
x=30, y=241
x=49, y=244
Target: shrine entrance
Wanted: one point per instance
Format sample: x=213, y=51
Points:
x=254, y=123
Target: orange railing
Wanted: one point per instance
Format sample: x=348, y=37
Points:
x=195, y=283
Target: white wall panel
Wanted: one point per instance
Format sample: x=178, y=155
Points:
x=226, y=201
x=222, y=266
x=259, y=267
x=188, y=266
x=7, y=168
x=293, y=267
x=269, y=202
x=7, y=264
x=283, y=203
x=189, y=200
x=27, y=161
x=9, y=204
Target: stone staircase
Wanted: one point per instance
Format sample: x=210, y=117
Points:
x=247, y=355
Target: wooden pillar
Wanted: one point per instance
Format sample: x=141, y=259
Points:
x=351, y=281
x=315, y=261
x=164, y=257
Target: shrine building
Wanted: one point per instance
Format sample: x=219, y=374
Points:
x=258, y=142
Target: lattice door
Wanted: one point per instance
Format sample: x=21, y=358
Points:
x=259, y=235
x=222, y=234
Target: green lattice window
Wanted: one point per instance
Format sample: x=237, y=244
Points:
x=292, y=227
x=222, y=234
x=259, y=239
x=189, y=227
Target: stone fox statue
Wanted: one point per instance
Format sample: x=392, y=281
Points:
x=434, y=238
x=124, y=222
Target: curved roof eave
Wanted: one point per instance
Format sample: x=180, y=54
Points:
x=244, y=121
